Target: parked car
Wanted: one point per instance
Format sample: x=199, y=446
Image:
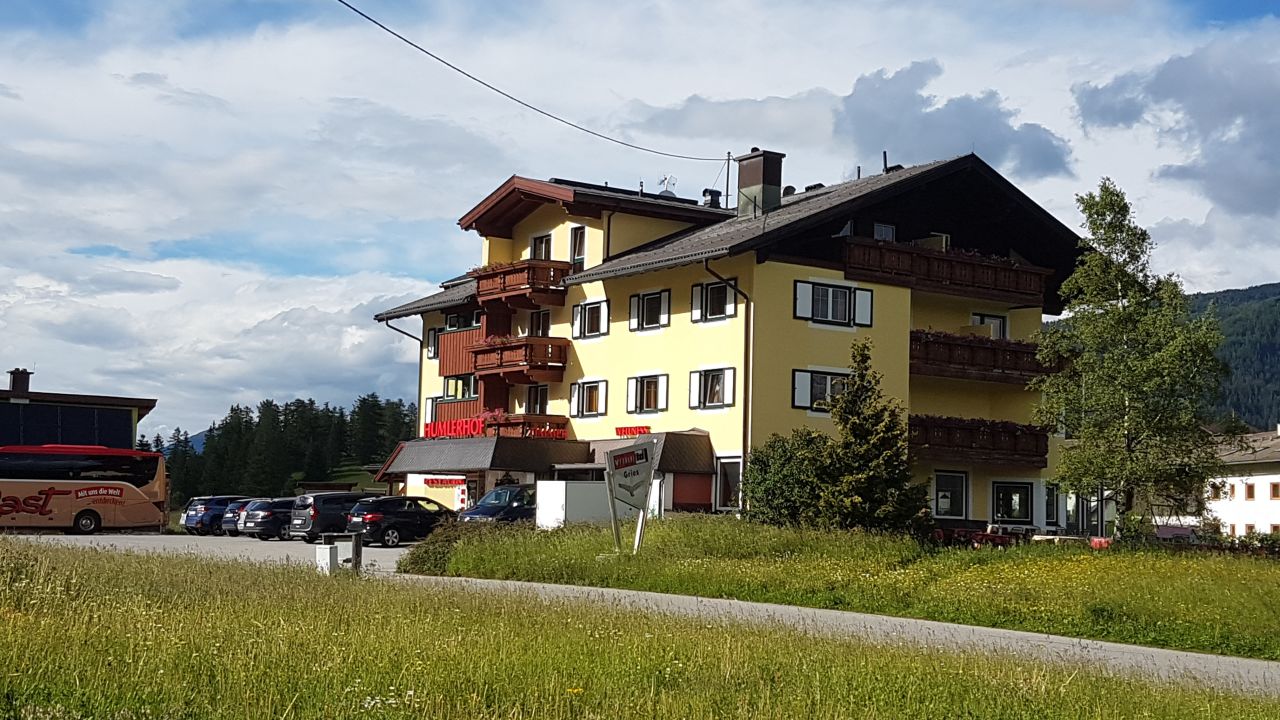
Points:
x=268, y=519
x=231, y=516
x=203, y=515
x=392, y=520
x=324, y=512
x=507, y=503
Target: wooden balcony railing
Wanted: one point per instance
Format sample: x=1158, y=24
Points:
x=971, y=357
x=986, y=442
x=527, y=283
x=555, y=427
x=523, y=361
x=954, y=272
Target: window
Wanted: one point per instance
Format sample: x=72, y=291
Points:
x=883, y=232
x=462, y=321
x=999, y=323
x=833, y=304
x=712, y=301
x=1011, y=502
x=1248, y=529
x=460, y=387
x=949, y=494
x=711, y=388
x=432, y=343
x=650, y=310
x=536, y=401
x=540, y=247
x=814, y=390
x=647, y=394
x=1275, y=491
x=1215, y=492
x=591, y=319
x=1050, y=504
x=1248, y=491
x=1231, y=529
x=588, y=399
x=729, y=479
x=1232, y=491
x=578, y=247
x=1275, y=529
x=540, y=323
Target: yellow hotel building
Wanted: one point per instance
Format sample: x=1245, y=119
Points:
x=598, y=313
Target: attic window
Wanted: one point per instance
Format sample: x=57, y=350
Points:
x=884, y=233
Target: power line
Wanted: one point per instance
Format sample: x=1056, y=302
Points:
x=515, y=99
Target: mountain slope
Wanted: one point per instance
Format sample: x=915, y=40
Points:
x=1250, y=321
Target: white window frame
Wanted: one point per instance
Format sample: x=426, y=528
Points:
x=884, y=232
x=700, y=301
x=802, y=389
x=859, y=304
x=638, y=302
x=534, y=241
x=579, y=261
x=471, y=390
x=531, y=407
x=698, y=386
x=636, y=393
x=577, y=394
x=984, y=319
x=432, y=343
x=579, y=315
x=717, y=485
x=1031, y=501
x=964, y=500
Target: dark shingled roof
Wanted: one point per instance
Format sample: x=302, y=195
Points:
x=462, y=292
x=486, y=453
x=721, y=239
x=1266, y=449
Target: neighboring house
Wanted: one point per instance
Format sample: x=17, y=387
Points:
x=1247, y=500
x=45, y=418
x=600, y=313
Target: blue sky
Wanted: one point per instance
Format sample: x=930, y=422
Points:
x=259, y=177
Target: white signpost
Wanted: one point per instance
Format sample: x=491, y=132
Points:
x=629, y=480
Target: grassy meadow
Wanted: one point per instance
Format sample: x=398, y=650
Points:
x=1190, y=601
x=96, y=634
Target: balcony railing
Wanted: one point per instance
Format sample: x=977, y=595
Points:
x=973, y=358
x=986, y=442
x=555, y=427
x=527, y=283
x=954, y=272
x=523, y=361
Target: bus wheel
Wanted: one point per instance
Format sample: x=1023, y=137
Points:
x=88, y=522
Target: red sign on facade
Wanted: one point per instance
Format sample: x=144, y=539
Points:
x=549, y=432
x=632, y=431
x=466, y=427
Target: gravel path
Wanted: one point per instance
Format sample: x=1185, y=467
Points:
x=1228, y=673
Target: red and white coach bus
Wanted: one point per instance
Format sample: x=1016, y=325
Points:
x=83, y=488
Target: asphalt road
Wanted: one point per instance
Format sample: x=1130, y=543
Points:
x=1216, y=671
x=377, y=559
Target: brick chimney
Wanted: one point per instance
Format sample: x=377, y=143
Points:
x=759, y=182
x=20, y=380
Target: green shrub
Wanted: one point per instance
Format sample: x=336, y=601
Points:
x=431, y=555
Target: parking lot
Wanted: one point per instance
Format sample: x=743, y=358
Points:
x=377, y=559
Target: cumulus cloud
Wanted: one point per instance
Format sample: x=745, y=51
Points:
x=883, y=111
x=1219, y=102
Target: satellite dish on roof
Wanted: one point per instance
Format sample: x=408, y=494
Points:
x=667, y=182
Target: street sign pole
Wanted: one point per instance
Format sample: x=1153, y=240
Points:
x=629, y=479
x=644, y=513
x=613, y=516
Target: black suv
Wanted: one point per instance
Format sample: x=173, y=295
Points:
x=324, y=512
x=392, y=520
x=268, y=519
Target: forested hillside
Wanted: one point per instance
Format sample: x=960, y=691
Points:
x=1250, y=321
x=268, y=450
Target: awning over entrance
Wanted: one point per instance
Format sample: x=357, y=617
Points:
x=486, y=453
x=687, y=451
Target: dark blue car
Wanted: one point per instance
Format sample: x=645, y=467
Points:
x=507, y=503
x=203, y=515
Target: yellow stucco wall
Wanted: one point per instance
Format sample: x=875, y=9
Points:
x=784, y=343
x=952, y=313
x=429, y=379
x=624, y=232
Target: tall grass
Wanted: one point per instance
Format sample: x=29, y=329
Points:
x=1210, y=603
x=103, y=635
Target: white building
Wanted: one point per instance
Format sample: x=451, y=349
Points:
x=1248, y=499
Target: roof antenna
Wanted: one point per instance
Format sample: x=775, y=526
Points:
x=642, y=186
x=885, y=155
x=859, y=177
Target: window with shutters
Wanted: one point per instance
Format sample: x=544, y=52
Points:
x=460, y=387
x=578, y=247
x=647, y=394
x=812, y=390
x=591, y=319
x=462, y=321
x=833, y=304
x=711, y=388
x=650, y=311
x=713, y=301
x=540, y=247
x=587, y=399
x=536, y=401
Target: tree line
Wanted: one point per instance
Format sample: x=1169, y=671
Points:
x=269, y=450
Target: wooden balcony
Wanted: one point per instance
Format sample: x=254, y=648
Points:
x=522, y=361
x=531, y=426
x=952, y=272
x=968, y=357
x=982, y=442
x=525, y=284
